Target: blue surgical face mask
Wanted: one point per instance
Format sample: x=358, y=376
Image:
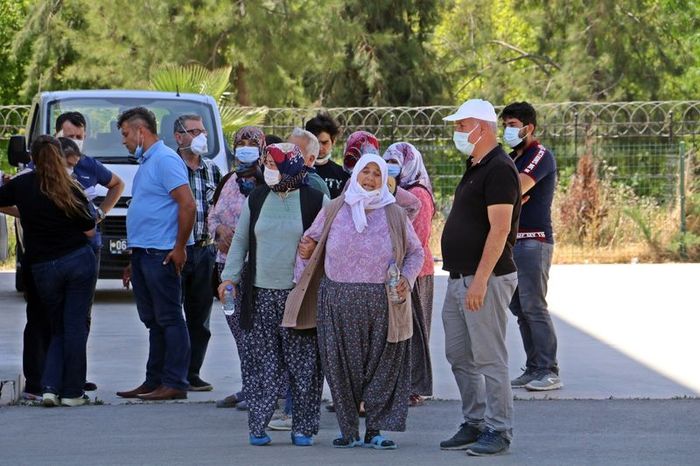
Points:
x=462, y=143
x=511, y=136
x=247, y=154
x=393, y=170
x=138, y=152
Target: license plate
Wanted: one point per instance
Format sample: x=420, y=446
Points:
x=117, y=246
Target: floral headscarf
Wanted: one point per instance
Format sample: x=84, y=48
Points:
x=358, y=144
x=290, y=163
x=251, y=133
x=413, y=171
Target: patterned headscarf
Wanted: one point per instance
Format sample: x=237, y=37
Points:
x=413, y=171
x=358, y=144
x=251, y=133
x=290, y=163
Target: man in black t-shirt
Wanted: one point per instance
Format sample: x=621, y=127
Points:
x=477, y=243
x=533, y=249
x=326, y=130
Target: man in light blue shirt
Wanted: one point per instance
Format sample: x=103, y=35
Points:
x=159, y=227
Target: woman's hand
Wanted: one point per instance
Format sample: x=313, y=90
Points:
x=224, y=235
x=403, y=288
x=222, y=289
x=126, y=276
x=306, y=247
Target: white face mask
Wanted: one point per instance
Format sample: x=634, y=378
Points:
x=462, y=143
x=272, y=176
x=199, y=144
x=511, y=136
x=79, y=143
x=322, y=160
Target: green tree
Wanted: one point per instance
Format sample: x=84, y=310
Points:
x=388, y=60
x=12, y=16
x=556, y=50
x=273, y=46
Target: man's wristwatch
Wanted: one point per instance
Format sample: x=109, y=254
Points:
x=100, y=214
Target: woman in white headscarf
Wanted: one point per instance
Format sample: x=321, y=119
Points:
x=363, y=333
x=405, y=163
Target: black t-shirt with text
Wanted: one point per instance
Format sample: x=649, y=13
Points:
x=334, y=176
x=48, y=233
x=492, y=181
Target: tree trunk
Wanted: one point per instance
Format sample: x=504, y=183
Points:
x=242, y=93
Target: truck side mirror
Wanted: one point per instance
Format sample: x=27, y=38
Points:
x=17, y=151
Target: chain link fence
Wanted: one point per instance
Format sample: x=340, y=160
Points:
x=628, y=186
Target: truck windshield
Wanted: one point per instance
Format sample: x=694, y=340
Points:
x=103, y=139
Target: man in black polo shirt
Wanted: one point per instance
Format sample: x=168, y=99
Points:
x=477, y=244
x=533, y=249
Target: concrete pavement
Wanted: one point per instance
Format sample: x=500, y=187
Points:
x=583, y=432
x=625, y=332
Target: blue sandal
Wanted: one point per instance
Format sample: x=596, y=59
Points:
x=343, y=442
x=379, y=442
x=259, y=441
x=301, y=440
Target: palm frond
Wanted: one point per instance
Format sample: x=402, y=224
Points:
x=194, y=79
x=234, y=118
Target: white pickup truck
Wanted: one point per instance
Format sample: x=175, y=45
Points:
x=101, y=109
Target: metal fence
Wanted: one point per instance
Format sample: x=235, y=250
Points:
x=642, y=147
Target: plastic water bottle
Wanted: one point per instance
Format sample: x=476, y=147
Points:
x=393, y=276
x=229, y=305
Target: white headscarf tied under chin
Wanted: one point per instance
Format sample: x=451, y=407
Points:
x=360, y=200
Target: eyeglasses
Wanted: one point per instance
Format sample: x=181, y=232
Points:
x=193, y=132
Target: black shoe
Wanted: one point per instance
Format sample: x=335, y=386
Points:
x=463, y=439
x=199, y=385
x=490, y=443
x=330, y=407
x=89, y=387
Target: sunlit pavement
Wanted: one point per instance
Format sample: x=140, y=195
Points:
x=625, y=331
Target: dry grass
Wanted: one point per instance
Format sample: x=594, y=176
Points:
x=598, y=221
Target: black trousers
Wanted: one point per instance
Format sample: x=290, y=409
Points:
x=197, y=300
x=37, y=334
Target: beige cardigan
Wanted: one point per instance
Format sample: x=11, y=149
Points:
x=301, y=306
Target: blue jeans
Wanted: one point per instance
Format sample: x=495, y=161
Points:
x=197, y=299
x=158, y=292
x=65, y=287
x=533, y=259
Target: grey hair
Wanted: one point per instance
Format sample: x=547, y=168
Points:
x=312, y=145
x=491, y=124
x=179, y=124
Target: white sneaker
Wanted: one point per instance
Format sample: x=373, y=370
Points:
x=49, y=400
x=546, y=381
x=26, y=396
x=83, y=400
x=284, y=422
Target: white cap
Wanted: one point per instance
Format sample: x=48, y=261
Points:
x=474, y=108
